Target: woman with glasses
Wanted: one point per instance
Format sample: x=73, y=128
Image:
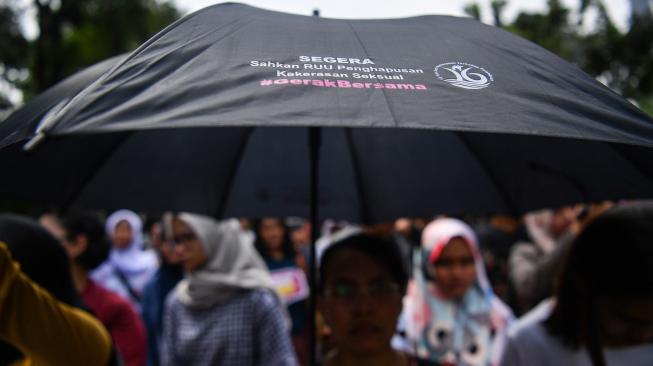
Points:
x=225, y=311
x=362, y=281
x=451, y=314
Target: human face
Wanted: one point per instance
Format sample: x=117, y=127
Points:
x=272, y=232
x=454, y=270
x=625, y=322
x=360, y=303
x=188, y=246
x=563, y=218
x=122, y=235
x=164, y=245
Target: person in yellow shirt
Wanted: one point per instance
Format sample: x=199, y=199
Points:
x=40, y=323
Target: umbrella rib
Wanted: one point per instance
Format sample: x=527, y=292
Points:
x=502, y=193
x=357, y=178
x=232, y=174
x=383, y=92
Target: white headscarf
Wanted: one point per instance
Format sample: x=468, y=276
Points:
x=132, y=260
x=232, y=264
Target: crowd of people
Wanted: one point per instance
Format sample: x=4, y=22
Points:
x=571, y=286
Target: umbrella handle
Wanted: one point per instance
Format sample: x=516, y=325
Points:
x=314, y=141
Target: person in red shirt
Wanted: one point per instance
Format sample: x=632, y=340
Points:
x=84, y=239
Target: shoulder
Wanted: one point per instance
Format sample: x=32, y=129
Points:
x=502, y=316
x=103, y=271
x=115, y=303
x=150, y=257
x=263, y=302
x=264, y=297
x=532, y=321
x=529, y=335
x=172, y=303
x=523, y=249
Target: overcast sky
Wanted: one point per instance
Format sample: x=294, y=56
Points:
x=619, y=9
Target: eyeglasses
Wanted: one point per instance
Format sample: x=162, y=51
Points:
x=349, y=293
x=184, y=238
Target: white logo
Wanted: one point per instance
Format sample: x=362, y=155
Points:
x=464, y=75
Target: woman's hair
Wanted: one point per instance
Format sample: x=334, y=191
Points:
x=98, y=245
x=611, y=258
x=287, y=246
x=383, y=252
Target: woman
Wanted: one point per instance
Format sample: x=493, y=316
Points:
x=451, y=315
x=601, y=311
x=157, y=289
x=40, y=319
x=84, y=239
x=288, y=277
x=129, y=266
x=225, y=311
x=362, y=281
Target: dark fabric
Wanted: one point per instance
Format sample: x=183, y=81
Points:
x=153, y=303
x=198, y=72
x=538, y=132
x=366, y=175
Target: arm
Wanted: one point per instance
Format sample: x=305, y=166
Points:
x=64, y=336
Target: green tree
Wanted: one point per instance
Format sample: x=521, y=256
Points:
x=13, y=53
x=77, y=33
x=72, y=34
x=622, y=60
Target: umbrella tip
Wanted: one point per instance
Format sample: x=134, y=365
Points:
x=34, y=142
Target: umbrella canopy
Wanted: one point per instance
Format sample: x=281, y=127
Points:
x=420, y=115
x=411, y=117
x=24, y=121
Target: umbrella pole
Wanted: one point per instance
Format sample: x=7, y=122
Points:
x=314, y=137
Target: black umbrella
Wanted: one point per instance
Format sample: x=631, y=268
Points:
x=24, y=121
x=410, y=117
x=466, y=117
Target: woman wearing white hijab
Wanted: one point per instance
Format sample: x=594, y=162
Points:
x=129, y=266
x=225, y=311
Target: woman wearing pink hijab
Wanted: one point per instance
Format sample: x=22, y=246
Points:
x=451, y=315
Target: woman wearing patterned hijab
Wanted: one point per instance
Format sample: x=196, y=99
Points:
x=450, y=313
x=225, y=310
